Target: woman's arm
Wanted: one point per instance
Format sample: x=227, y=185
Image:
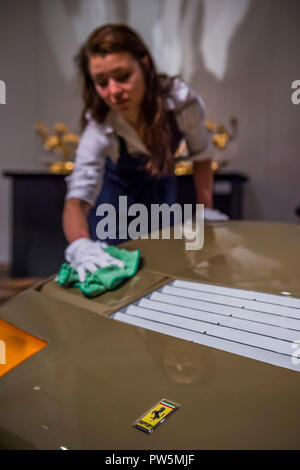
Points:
x=83, y=254
x=190, y=116
x=75, y=214
x=85, y=182
x=203, y=181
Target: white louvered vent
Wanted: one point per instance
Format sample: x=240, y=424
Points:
x=260, y=326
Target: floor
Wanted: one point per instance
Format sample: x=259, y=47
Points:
x=11, y=286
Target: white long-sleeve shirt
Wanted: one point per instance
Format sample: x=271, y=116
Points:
x=100, y=141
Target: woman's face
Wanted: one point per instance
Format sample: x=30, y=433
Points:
x=120, y=82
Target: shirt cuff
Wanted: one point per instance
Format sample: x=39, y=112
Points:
x=206, y=154
x=79, y=195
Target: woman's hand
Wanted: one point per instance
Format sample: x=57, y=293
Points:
x=82, y=253
x=214, y=215
x=88, y=255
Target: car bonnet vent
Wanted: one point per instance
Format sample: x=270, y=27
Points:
x=260, y=326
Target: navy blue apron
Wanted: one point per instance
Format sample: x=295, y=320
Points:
x=127, y=177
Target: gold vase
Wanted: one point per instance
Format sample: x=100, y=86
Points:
x=61, y=168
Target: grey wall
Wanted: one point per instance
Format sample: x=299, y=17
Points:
x=17, y=145
x=240, y=55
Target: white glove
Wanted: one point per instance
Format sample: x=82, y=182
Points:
x=88, y=255
x=213, y=215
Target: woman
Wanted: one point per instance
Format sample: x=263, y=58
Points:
x=133, y=120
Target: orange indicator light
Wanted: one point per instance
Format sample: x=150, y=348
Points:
x=16, y=346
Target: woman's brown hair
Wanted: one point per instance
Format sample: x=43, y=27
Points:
x=155, y=121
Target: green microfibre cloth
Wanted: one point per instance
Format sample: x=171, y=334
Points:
x=108, y=278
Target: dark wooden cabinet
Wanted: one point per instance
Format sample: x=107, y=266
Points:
x=38, y=242
x=228, y=192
